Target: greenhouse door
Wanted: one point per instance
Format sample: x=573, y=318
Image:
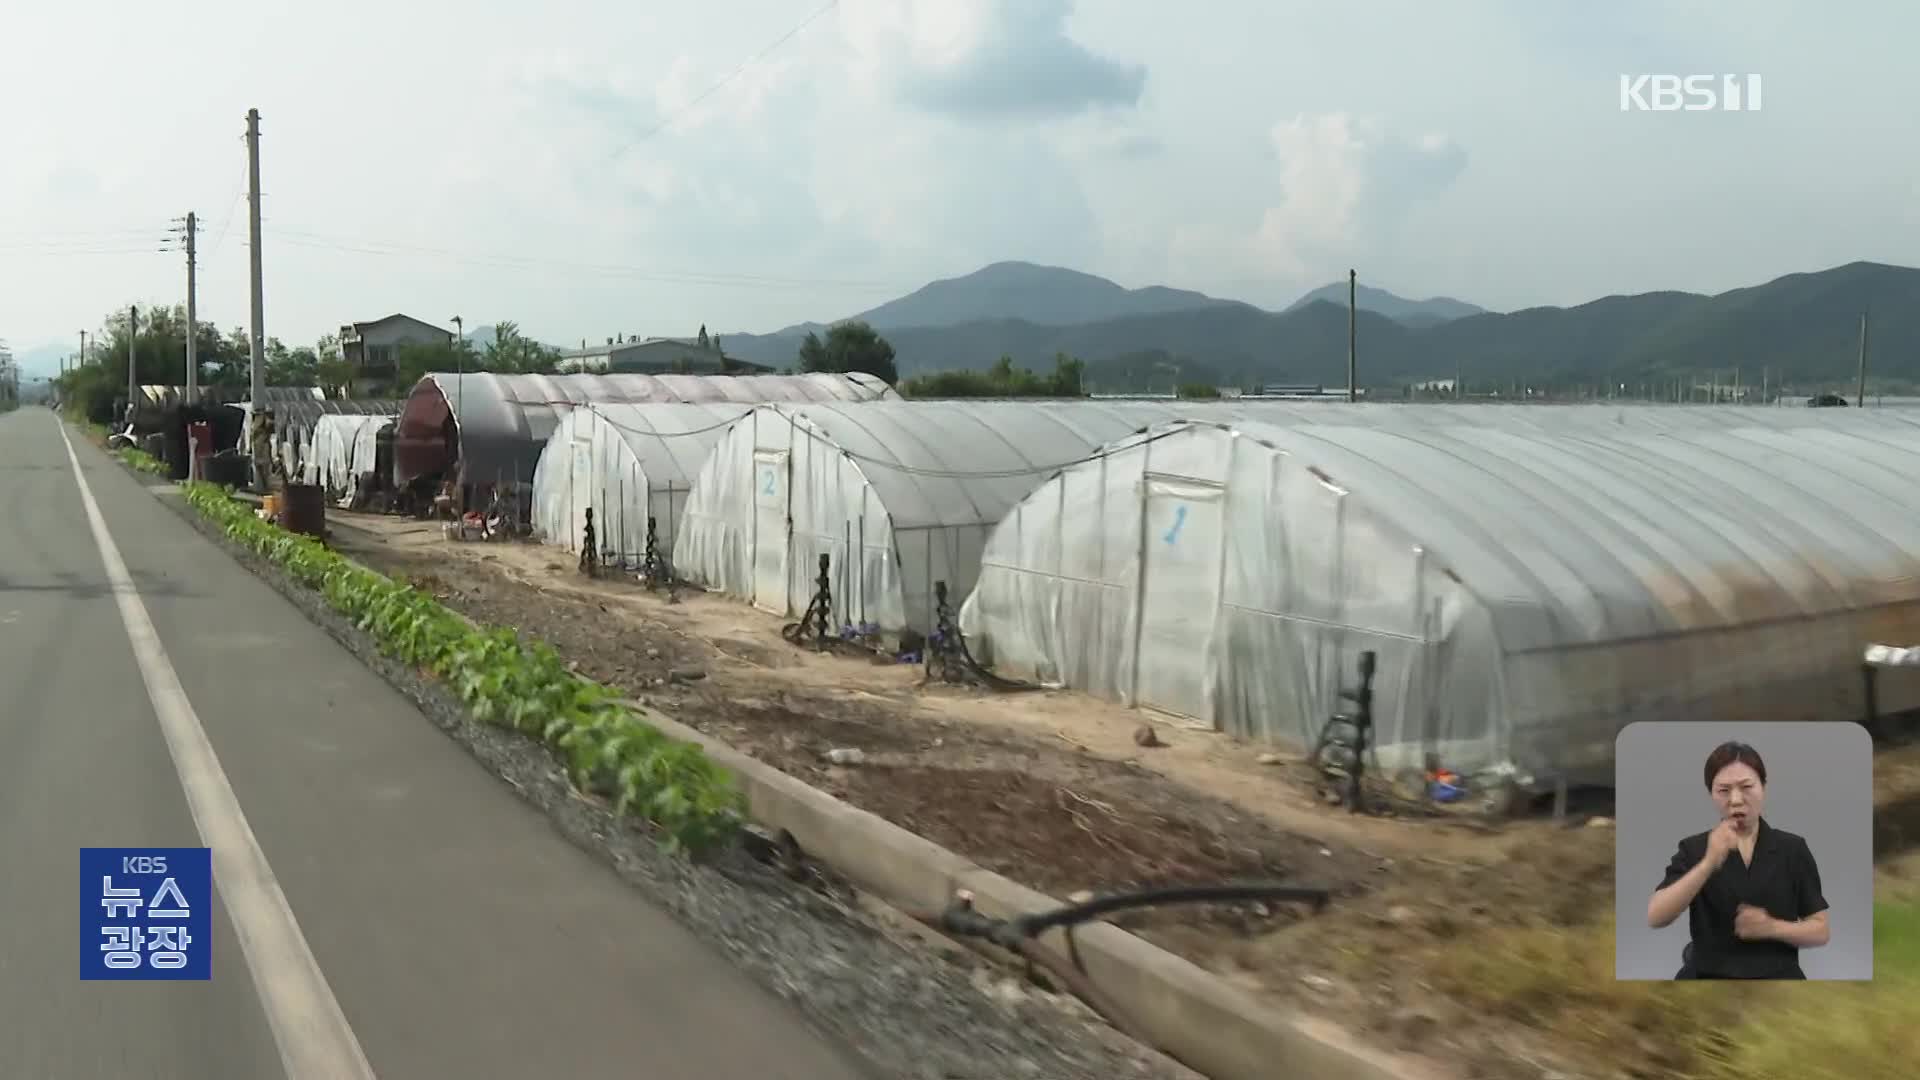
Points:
x=770, y=544
x=580, y=491
x=1179, y=596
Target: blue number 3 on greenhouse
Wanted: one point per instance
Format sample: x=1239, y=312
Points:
x=144, y=913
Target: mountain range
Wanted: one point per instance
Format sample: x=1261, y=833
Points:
x=1802, y=327
x=1381, y=302
x=41, y=361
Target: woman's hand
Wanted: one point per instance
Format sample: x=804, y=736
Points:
x=1720, y=843
x=1752, y=924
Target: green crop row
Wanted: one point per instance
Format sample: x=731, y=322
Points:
x=605, y=746
x=142, y=461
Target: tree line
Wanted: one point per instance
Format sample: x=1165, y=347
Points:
x=857, y=347
x=509, y=352
x=159, y=354
x=159, y=350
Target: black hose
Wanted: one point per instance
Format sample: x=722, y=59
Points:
x=997, y=682
x=1082, y=986
x=1032, y=925
x=1020, y=935
x=947, y=625
x=962, y=918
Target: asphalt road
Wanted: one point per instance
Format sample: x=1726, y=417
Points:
x=459, y=934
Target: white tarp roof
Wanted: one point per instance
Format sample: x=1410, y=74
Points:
x=912, y=485
x=1528, y=591
x=626, y=462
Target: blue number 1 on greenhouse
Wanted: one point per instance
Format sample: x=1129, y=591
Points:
x=146, y=913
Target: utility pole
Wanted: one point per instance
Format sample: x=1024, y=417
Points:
x=193, y=315
x=459, y=366
x=185, y=229
x=83, y=348
x=133, y=355
x=1860, y=393
x=257, y=347
x=1353, y=390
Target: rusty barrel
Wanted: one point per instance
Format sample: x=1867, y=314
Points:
x=303, y=509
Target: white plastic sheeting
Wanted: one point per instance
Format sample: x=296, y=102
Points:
x=626, y=462
x=900, y=494
x=1527, y=593
x=296, y=413
x=1551, y=418
x=1630, y=416
x=274, y=396
x=343, y=449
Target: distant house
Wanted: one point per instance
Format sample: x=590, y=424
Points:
x=373, y=348
x=655, y=356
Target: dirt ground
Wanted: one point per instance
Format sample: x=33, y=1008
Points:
x=1056, y=790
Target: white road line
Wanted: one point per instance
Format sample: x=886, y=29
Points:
x=315, y=1041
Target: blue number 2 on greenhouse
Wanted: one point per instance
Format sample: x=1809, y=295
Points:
x=146, y=913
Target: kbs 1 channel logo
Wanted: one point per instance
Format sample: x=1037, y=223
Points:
x=146, y=913
x=1689, y=93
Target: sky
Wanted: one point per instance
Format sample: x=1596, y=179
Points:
x=590, y=167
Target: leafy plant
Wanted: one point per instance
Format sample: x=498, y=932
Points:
x=604, y=745
x=142, y=461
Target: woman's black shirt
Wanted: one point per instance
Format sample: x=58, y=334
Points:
x=1783, y=879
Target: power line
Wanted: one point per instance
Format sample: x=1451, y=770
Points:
x=309, y=238
x=139, y=243
x=233, y=204
x=78, y=234
x=100, y=242
x=56, y=250
x=676, y=114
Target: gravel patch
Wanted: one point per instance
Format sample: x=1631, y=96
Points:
x=909, y=1011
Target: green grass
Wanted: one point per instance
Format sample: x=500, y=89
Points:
x=142, y=461
x=1835, y=1031
x=1896, y=939
x=1559, y=982
x=97, y=432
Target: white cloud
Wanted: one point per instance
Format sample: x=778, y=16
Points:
x=808, y=164
x=984, y=58
x=1098, y=141
x=1345, y=184
x=894, y=140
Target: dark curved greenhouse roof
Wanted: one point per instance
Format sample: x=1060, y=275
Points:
x=302, y=413
x=504, y=421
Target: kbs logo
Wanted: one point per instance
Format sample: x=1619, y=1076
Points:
x=1689, y=93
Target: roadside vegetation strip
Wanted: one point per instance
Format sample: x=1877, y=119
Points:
x=1557, y=981
x=1844, y=1031
x=142, y=461
x=695, y=804
x=97, y=432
